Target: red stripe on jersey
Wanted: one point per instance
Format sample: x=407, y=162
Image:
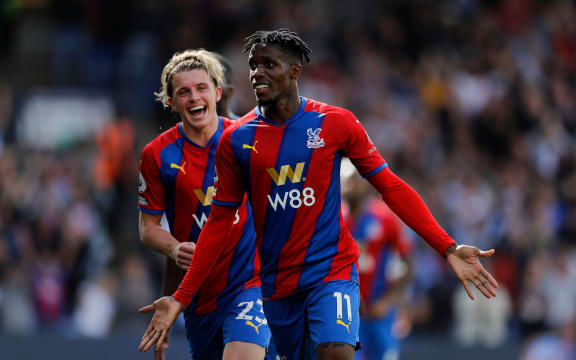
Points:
x=214, y=285
x=293, y=254
x=347, y=256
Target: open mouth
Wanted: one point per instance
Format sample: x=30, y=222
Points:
x=197, y=110
x=260, y=88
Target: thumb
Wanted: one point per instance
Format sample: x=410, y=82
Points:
x=146, y=308
x=486, y=253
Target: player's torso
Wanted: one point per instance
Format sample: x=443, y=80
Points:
x=292, y=174
x=188, y=172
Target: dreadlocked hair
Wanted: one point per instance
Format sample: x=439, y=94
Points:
x=288, y=40
x=185, y=61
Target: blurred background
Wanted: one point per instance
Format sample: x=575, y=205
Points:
x=471, y=102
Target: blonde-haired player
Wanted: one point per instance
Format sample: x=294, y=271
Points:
x=225, y=320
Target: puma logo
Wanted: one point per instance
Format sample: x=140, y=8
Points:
x=347, y=326
x=248, y=322
x=251, y=147
x=181, y=168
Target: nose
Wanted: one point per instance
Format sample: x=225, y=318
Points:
x=257, y=72
x=194, y=95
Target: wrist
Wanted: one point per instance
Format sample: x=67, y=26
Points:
x=450, y=250
x=174, y=251
x=182, y=307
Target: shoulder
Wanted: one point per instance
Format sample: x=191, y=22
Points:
x=230, y=126
x=331, y=111
x=159, y=142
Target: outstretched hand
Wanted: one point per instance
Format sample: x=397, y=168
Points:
x=465, y=264
x=167, y=311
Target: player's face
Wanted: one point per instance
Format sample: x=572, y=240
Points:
x=270, y=74
x=194, y=97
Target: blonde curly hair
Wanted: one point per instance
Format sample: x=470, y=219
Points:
x=185, y=61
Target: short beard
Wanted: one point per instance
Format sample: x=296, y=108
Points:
x=261, y=102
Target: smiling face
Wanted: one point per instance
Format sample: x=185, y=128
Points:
x=273, y=74
x=194, y=97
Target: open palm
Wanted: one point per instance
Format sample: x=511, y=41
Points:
x=465, y=264
x=167, y=311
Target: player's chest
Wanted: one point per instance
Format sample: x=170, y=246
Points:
x=188, y=169
x=271, y=147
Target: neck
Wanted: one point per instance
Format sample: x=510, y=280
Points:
x=200, y=136
x=282, y=109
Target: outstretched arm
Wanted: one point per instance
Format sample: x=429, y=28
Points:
x=208, y=248
x=408, y=205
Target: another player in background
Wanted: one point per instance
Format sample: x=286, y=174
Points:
x=385, y=271
x=285, y=154
x=225, y=317
x=223, y=106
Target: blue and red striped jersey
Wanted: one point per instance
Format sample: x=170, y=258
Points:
x=381, y=236
x=291, y=173
x=177, y=177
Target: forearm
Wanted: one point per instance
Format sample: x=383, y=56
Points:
x=208, y=247
x=408, y=205
x=152, y=235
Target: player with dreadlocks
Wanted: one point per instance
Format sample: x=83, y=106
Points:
x=285, y=154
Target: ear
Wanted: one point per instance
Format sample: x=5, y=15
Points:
x=171, y=103
x=218, y=93
x=295, y=71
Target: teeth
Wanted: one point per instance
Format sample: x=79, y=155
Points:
x=200, y=107
x=261, y=86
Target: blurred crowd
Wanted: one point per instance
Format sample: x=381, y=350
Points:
x=471, y=102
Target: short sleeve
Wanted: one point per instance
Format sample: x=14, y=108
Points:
x=358, y=146
x=229, y=186
x=151, y=194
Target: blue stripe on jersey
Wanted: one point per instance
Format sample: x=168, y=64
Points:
x=207, y=181
x=171, y=154
x=225, y=203
x=244, y=136
x=323, y=245
x=148, y=211
x=375, y=171
x=292, y=150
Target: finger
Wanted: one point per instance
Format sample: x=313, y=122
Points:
x=482, y=288
x=188, y=250
x=145, y=339
x=486, y=284
x=183, y=266
x=487, y=275
x=184, y=256
x=160, y=342
x=146, y=308
x=468, y=290
x=151, y=341
x=488, y=253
